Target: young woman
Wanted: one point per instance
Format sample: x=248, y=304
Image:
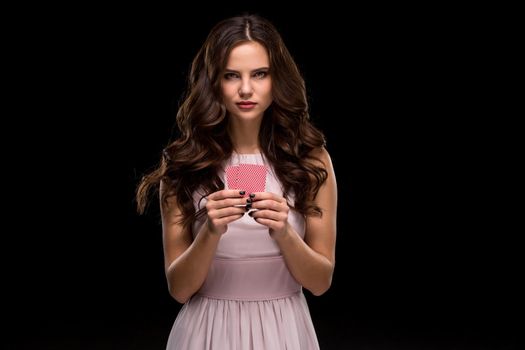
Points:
x=248, y=197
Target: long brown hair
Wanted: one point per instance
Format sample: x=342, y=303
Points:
x=287, y=137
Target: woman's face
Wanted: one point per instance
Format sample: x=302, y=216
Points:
x=246, y=83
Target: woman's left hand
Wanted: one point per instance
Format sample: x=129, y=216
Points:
x=272, y=211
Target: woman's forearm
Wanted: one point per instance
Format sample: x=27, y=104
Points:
x=311, y=269
x=187, y=273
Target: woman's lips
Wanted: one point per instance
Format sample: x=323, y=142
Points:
x=246, y=105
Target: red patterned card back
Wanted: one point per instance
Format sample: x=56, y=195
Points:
x=247, y=177
x=232, y=177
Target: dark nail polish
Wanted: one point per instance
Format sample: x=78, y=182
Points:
x=251, y=214
x=242, y=193
x=252, y=195
x=248, y=206
x=249, y=200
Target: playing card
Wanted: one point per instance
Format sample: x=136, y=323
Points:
x=232, y=177
x=247, y=177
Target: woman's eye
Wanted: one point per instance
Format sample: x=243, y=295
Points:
x=260, y=75
x=230, y=76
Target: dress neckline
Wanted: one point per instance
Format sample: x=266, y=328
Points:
x=247, y=158
x=247, y=154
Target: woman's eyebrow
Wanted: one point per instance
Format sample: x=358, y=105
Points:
x=253, y=70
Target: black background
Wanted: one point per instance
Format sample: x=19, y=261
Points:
x=422, y=256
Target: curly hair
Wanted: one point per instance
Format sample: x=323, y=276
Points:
x=287, y=137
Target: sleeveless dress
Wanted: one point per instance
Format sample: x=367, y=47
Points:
x=249, y=300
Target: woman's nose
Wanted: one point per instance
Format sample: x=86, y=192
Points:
x=245, y=88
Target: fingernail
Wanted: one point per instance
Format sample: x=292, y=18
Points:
x=248, y=206
x=249, y=200
x=242, y=193
x=252, y=195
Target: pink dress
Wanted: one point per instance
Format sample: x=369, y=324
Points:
x=249, y=300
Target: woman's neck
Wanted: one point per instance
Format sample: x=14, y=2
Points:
x=245, y=137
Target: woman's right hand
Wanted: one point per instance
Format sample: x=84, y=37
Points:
x=222, y=210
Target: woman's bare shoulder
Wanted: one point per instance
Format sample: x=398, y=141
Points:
x=322, y=157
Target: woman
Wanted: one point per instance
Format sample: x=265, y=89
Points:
x=246, y=146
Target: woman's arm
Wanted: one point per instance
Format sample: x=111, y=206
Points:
x=187, y=261
x=311, y=261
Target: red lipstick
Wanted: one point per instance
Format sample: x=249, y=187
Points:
x=246, y=104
